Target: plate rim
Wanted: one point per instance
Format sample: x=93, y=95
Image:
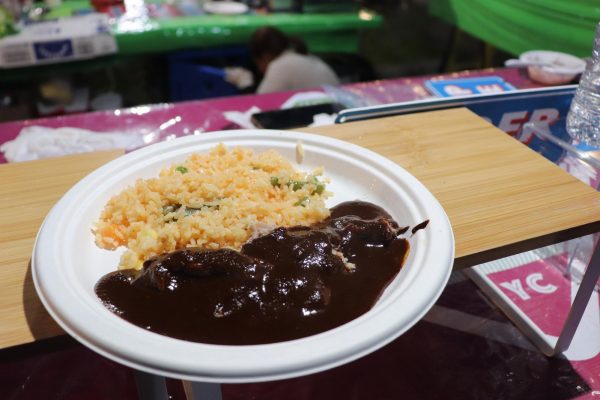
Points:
x=281, y=371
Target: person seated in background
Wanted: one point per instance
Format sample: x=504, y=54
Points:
x=285, y=63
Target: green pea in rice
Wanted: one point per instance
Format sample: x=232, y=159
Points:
x=213, y=200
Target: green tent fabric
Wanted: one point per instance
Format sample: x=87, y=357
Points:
x=323, y=32
x=335, y=32
x=516, y=26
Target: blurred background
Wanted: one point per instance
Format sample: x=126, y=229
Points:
x=134, y=52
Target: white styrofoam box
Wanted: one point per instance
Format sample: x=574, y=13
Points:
x=68, y=39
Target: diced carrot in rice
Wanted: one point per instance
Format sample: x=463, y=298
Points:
x=211, y=200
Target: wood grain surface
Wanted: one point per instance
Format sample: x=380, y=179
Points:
x=500, y=196
x=28, y=190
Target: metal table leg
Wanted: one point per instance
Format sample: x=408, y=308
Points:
x=150, y=386
x=154, y=387
x=202, y=390
x=586, y=287
x=547, y=344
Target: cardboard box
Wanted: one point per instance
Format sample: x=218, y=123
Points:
x=62, y=40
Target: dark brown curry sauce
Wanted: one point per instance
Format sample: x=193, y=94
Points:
x=291, y=283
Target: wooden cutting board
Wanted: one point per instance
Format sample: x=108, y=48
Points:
x=28, y=190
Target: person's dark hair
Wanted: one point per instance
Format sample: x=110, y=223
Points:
x=273, y=42
x=298, y=45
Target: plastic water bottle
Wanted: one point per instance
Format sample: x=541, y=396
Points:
x=583, y=120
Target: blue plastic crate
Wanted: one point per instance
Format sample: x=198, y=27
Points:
x=199, y=74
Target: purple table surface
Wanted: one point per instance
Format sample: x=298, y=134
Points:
x=158, y=122
x=464, y=348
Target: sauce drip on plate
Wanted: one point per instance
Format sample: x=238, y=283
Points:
x=290, y=283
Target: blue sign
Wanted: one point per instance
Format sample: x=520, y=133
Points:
x=508, y=111
x=53, y=49
x=468, y=86
x=510, y=116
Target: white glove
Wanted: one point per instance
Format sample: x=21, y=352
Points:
x=239, y=77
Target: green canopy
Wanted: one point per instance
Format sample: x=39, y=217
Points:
x=323, y=32
x=335, y=32
x=516, y=26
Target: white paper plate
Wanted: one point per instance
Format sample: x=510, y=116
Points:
x=66, y=264
x=225, y=7
x=562, y=68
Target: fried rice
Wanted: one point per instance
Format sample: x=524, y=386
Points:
x=212, y=200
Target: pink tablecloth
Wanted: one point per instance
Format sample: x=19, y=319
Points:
x=161, y=121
